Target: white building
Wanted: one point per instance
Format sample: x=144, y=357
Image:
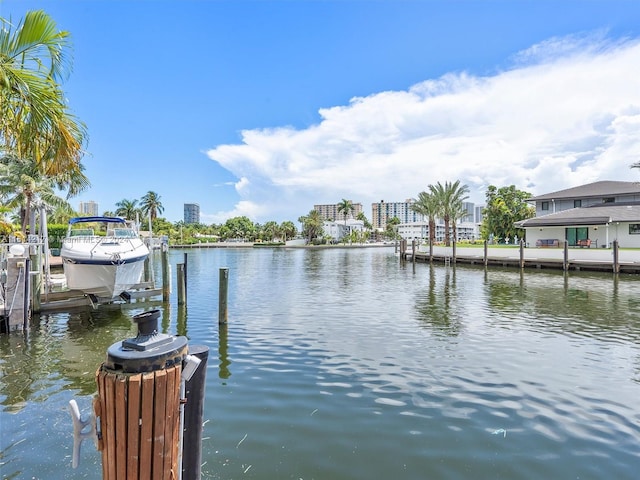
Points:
x=338, y=230
x=89, y=208
x=382, y=212
x=420, y=231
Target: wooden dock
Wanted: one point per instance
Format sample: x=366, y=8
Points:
x=563, y=258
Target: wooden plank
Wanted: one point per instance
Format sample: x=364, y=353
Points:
x=171, y=415
x=109, y=417
x=121, y=426
x=146, y=427
x=98, y=408
x=159, y=407
x=134, y=397
x=176, y=422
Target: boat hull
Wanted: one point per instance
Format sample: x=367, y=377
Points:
x=102, y=279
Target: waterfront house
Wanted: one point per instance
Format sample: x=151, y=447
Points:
x=591, y=215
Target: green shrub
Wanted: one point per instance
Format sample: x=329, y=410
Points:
x=56, y=233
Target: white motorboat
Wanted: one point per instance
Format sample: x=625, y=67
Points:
x=102, y=264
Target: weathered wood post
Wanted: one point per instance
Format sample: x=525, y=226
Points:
x=616, y=257
x=453, y=251
x=185, y=271
x=430, y=250
x=222, y=296
x=521, y=253
x=147, y=276
x=35, y=277
x=413, y=251
x=182, y=283
x=565, y=260
x=139, y=404
x=166, y=279
x=486, y=257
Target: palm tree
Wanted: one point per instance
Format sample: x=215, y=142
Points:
x=448, y=196
x=22, y=185
x=458, y=212
x=428, y=206
x=271, y=230
x=127, y=209
x=151, y=205
x=311, y=225
x=346, y=207
x=37, y=132
x=288, y=229
x=365, y=221
x=392, y=228
x=35, y=122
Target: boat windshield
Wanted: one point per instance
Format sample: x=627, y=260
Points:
x=81, y=232
x=124, y=232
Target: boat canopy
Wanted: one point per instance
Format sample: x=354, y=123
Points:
x=96, y=219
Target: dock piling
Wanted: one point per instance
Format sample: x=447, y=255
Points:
x=182, y=283
x=166, y=280
x=222, y=296
x=486, y=256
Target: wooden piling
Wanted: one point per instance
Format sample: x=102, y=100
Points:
x=35, y=276
x=139, y=418
x=222, y=296
x=522, y=254
x=182, y=283
x=565, y=258
x=413, y=251
x=486, y=256
x=147, y=276
x=186, y=277
x=166, y=280
x=616, y=257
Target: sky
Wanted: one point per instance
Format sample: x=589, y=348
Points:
x=265, y=108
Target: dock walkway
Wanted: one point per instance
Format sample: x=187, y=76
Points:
x=591, y=259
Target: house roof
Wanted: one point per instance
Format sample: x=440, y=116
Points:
x=594, y=215
x=604, y=188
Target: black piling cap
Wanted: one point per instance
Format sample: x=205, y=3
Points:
x=147, y=322
x=149, y=350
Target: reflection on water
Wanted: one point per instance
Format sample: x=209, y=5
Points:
x=347, y=363
x=439, y=306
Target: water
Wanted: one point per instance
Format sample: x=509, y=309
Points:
x=345, y=364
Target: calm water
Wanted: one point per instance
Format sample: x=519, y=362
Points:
x=345, y=364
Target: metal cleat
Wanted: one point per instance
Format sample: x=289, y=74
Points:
x=79, y=430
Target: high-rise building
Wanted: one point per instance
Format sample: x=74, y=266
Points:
x=191, y=213
x=89, y=208
x=330, y=212
x=383, y=211
x=478, y=214
x=468, y=207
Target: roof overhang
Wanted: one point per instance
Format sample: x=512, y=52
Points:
x=563, y=222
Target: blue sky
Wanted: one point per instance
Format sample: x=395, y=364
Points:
x=264, y=108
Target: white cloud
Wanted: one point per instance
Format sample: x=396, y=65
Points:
x=243, y=208
x=568, y=113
